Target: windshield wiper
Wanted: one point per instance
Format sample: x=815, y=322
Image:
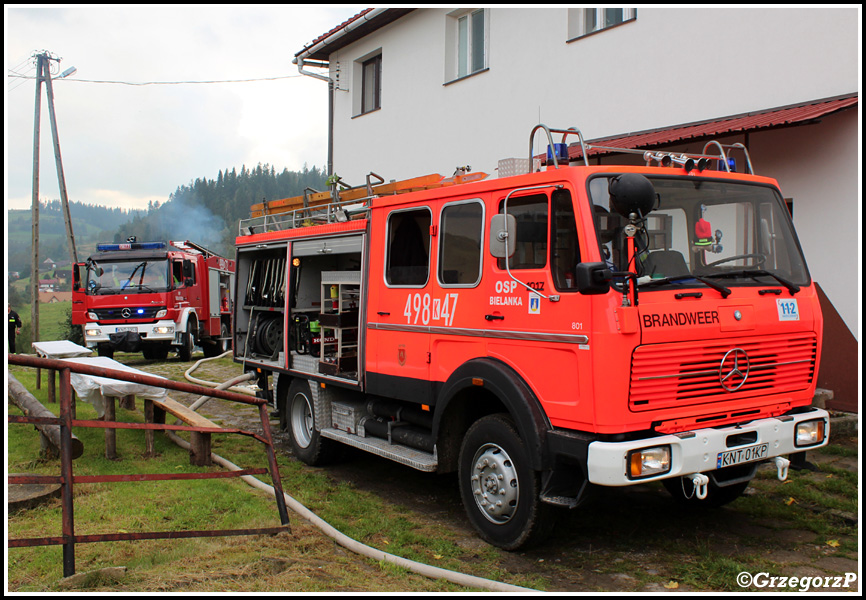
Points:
x=793, y=288
x=724, y=291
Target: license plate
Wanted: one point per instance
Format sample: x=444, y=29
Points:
x=742, y=455
x=119, y=329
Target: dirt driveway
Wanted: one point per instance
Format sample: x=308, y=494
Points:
x=636, y=539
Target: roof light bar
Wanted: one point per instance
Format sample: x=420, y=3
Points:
x=131, y=246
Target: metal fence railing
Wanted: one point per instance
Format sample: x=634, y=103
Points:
x=67, y=480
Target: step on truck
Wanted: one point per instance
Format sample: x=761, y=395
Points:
x=154, y=298
x=541, y=334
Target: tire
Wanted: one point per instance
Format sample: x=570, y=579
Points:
x=499, y=488
x=683, y=492
x=299, y=409
x=217, y=347
x=184, y=351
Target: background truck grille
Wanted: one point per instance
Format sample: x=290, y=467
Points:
x=685, y=374
x=135, y=313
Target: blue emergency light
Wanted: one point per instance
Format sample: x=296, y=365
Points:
x=732, y=165
x=131, y=246
x=561, y=151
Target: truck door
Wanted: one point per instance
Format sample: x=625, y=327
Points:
x=538, y=322
x=401, y=306
x=79, y=312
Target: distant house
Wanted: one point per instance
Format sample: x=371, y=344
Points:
x=51, y=297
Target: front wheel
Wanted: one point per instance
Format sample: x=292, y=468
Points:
x=184, y=351
x=499, y=488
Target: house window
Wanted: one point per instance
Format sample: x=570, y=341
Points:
x=584, y=21
x=371, y=84
x=466, y=48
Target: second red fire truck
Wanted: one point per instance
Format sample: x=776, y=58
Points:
x=154, y=297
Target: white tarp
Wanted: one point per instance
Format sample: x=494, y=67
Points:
x=92, y=389
x=60, y=349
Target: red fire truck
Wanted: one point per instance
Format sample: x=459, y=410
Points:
x=154, y=297
x=541, y=334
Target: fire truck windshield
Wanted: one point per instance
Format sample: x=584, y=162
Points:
x=704, y=232
x=125, y=276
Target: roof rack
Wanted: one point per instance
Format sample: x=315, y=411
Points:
x=688, y=161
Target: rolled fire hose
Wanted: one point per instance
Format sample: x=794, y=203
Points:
x=342, y=539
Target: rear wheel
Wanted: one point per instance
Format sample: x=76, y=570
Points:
x=499, y=488
x=307, y=444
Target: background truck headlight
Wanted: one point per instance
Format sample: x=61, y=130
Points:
x=648, y=462
x=809, y=433
x=92, y=332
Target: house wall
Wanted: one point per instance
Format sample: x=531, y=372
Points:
x=669, y=66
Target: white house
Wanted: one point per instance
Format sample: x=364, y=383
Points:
x=418, y=91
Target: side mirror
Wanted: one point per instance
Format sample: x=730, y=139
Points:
x=593, y=278
x=503, y=235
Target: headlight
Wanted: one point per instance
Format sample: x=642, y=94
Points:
x=163, y=329
x=161, y=313
x=92, y=316
x=92, y=332
x=809, y=433
x=648, y=462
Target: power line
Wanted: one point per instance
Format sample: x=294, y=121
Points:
x=143, y=83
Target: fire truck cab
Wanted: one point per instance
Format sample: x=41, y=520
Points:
x=541, y=334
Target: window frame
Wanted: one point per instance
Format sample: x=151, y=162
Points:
x=454, y=58
x=388, y=241
x=500, y=262
x=376, y=62
x=577, y=28
x=442, y=246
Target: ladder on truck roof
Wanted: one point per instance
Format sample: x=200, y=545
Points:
x=192, y=248
x=314, y=207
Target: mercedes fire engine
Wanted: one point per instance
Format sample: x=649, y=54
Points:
x=541, y=334
x=154, y=297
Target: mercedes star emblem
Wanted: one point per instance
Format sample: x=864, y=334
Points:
x=734, y=369
x=125, y=313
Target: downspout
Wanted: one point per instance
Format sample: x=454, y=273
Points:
x=307, y=52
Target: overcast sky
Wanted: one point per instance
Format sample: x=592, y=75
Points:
x=125, y=145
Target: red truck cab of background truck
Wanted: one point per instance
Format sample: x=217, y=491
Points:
x=154, y=297
x=541, y=334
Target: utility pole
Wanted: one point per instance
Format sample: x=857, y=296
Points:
x=43, y=73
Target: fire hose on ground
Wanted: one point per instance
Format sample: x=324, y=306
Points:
x=305, y=513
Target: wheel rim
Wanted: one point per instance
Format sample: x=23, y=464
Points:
x=494, y=482
x=302, y=420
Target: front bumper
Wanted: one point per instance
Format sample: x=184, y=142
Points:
x=699, y=451
x=161, y=331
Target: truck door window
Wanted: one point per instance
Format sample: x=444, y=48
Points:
x=177, y=273
x=408, y=252
x=460, y=247
x=530, y=212
x=564, y=251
